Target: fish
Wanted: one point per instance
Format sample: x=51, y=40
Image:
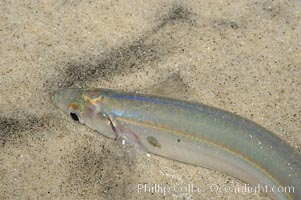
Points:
x=189, y=132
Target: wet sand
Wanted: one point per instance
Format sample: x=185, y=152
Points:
x=241, y=56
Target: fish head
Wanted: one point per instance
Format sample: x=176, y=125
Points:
x=85, y=109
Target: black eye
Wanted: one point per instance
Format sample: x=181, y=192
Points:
x=74, y=116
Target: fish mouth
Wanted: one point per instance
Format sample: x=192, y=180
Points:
x=62, y=98
x=57, y=96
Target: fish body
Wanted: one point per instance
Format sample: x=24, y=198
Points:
x=192, y=133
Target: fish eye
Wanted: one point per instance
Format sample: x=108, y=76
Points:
x=74, y=116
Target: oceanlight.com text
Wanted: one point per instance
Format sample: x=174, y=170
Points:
x=214, y=188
